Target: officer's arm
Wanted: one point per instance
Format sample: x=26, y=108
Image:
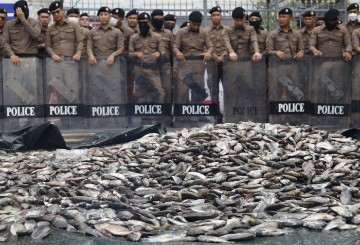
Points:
x=270, y=44
x=78, y=39
x=48, y=43
x=355, y=40
x=161, y=46
x=300, y=44
x=90, y=44
x=347, y=41
x=6, y=40
x=132, y=53
x=32, y=27
x=177, y=43
x=209, y=44
x=313, y=42
x=253, y=39
x=227, y=42
x=119, y=44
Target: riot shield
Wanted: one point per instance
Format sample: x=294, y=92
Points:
x=1, y=100
x=106, y=95
x=22, y=93
x=195, y=102
x=289, y=99
x=330, y=92
x=355, y=92
x=63, y=94
x=151, y=93
x=244, y=91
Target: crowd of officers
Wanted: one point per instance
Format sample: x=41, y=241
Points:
x=148, y=39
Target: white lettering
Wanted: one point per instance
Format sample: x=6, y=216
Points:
x=148, y=109
x=291, y=107
x=105, y=111
x=63, y=110
x=195, y=110
x=28, y=111
x=330, y=110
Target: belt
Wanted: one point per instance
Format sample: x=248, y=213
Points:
x=26, y=55
x=197, y=57
x=67, y=58
x=147, y=65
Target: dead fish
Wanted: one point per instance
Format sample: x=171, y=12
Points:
x=342, y=211
x=176, y=236
x=113, y=229
x=244, y=236
x=205, y=238
x=40, y=232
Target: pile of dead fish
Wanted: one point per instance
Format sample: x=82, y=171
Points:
x=219, y=183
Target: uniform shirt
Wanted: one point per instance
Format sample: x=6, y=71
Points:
x=147, y=45
x=351, y=29
x=64, y=40
x=261, y=38
x=21, y=37
x=127, y=33
x=105, y=42
x=3, y=52
x=243, y=39
x=306, y=39
x=220, y=39
x=356, y=40
x=192, y=43
x=288, y=42
x=41, y=40
x=330, y=43
x=84, y=33
x=168, y=40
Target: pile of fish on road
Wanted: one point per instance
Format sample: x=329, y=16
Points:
x=218, y=183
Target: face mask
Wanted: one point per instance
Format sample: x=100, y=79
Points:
x=256, y=24
x=144, y=28
x=330, y=26
x=73, y=19
x=113, y=21
x=157, y=24
x=169, y=26
x=353, y=17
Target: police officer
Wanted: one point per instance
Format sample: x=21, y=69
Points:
x=127, y=32
x=157, y=22
x=255, y=21
x=3, y=18
x=64, y=45
x=353, y=13
x=145, y=48
x=73, y=15
x=21, y=34
x=319, y=21
x=131, y=19
x=222, y=48
x=169, y=22
x=105, y=40
x=44, y=19
x=85, y=21
x=309, y=19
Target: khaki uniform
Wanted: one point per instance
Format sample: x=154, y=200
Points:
x=20, y=38
x=3, y=52
x=355, y=117
x=165, y=63
x=65, y=41
x=222, y=47
x=261, y=38
x=193, y=45
x=127, y=33
x=84, y=32
x=41, y=41
x=148, y=88
x=306, y=39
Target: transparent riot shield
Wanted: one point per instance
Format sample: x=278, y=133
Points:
x=330, y=92
x=22, y=93
x=106, y=95
x=195, y=99
x=355, y=92
x=151, y=93
x=1, y=100
x=289, y=99
x=244, y=91
x=63, y=94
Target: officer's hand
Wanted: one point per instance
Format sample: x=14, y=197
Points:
x=281, y=55
x=20, y=14
x=256, y=57
x=92, y=60
x=219, y=59
x=155, y=55
x=77, y=57
x=180, y=56
x=56, y=58
x=299, y=55
x=233, y=57
x=139, y=55
x=15, y=60
x=347, y=56
x=317, y=53
x=110, y=60
x=207, y=57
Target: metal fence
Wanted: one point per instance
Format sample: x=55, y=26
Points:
x=182, y=8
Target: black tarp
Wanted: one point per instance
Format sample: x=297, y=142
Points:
x=47, y=136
